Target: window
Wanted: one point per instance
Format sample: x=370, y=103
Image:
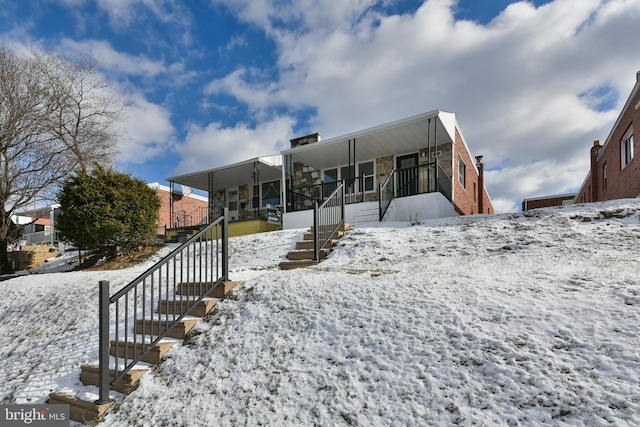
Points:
x=604, y=177
x=462, y=173
x=626, y=148
x=331, y=175
x=271, y=193
x=475, y=193
x=365, y=171
x=346, y=173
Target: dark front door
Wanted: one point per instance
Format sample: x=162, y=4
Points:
x=407, y=171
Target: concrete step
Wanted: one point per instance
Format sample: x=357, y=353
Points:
x=156, y=326
x=290, y=265
x=308, y=244
x=194, y=289
x=343, y=227
x=178, y=306
x=90, y=375
x=80, y=410
x=306, y=254
x=130, y=349
x=309, y=236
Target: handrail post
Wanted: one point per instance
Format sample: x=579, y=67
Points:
x=342, y=203
x=225, y=244
x=103, y=370
x=316, y=249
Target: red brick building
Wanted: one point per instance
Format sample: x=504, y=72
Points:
x=547, y=201
x=615, y=172
x=188, y=209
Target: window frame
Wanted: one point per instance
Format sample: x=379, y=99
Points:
x=276, y=186
x=367, y=178
x=462, y=172
x=626, y=148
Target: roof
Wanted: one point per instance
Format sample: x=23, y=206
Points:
x=627, y=106
x=395, y=138
x=268, y=168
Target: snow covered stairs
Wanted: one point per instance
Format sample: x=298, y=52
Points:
x=83, y=411
x=302, y=256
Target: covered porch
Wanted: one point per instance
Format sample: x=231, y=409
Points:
x=404, y=158
x=250, y=189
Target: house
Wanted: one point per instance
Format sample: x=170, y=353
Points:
x=614, y=171
x=415, y=168
x=547, y=201
x=36, y=226
x=180, y=207
x=251, y=189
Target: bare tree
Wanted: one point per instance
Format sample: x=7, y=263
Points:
x=56, y=116
x=86, y=109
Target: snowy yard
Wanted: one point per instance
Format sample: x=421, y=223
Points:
x=513, y=319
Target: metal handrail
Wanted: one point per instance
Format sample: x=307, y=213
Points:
x=420, y=179
x=327, y=218
x=386, y=194
x=198, y=216
x=201, y=263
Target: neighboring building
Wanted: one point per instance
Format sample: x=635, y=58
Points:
x=547, y=201
x=416, y=167
x=36, y=226
x=188, y=209
x=615, y=172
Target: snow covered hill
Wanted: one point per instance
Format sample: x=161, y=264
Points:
x=514, y=319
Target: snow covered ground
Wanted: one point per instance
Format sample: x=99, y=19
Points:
x=513, y=319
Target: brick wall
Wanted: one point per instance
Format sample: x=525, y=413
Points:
x=621, y=182
x=187, y=204
x=466, y=198
x=545, y=202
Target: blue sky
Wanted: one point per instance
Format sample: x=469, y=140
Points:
x=212, y=82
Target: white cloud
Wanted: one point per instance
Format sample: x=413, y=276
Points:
x=148, y=132
x=214, y=145
x=123, y=13
x=113, y=60
x=515, y=83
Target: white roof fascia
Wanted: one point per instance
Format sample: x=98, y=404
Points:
x=361, y=133
x=627, y=106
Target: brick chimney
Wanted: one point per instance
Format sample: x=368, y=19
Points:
x=480, y=188
x=594, y=170
x=304, y=140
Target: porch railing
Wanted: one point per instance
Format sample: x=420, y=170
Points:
x=425, y=178
x=302, y=198
x=387, y=192
x=327, y=219
x=198, y=216
x=201, y=262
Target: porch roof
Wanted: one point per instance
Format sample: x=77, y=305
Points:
x=229, y=176
x=395, y=138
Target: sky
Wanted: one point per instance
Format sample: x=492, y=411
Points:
x=214, y=82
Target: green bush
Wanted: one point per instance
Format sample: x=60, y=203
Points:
x=105, y=209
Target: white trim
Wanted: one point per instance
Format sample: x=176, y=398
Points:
x=627, y=106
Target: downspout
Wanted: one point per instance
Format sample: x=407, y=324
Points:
x=210, y=186
x=171, y=185
x=480, y=188
x=594, y=170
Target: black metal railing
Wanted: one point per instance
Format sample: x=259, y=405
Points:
x=444, y=183
x=302, y=198
x=387, y=192
x=198, y=216
x=201, y=262
x=425, y=178
x=327, y=219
